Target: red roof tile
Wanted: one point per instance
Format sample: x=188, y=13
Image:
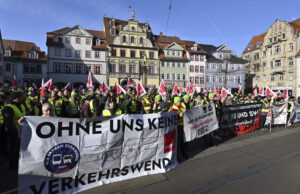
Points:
x=253, y=42
x=296, y=25
x=20, y=49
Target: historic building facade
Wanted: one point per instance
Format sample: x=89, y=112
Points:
x=73, y=53
x=127, y=44
x=223, y=69
x=276, y=66
x=173, y=60
x=196, y=65
x=25, y=60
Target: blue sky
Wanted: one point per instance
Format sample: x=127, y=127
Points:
x=232, y=22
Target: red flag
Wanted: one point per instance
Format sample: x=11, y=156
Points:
x=278, y=93
x=15, y=81
x=207, y=91
x=162, y=89
x=119, y=89
x=286, y=95
x=175, y=90
x=196, y=90
x=104, y=87
x=192, y=87
x=129, y=83
x=215, y=90
x=188, y=88
x=89, y=83
x=48, y=84
x=269, y=92
x=261, y=92
x=43, y=92
x=255, y=90
x=140, y=89
x=67, y=86
x=224, y=94
x=240, y=89
x=180, y=90
x=218, y=92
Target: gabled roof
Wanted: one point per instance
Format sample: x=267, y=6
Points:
x=219, y=48
x=20, y=49
x=237, y=60
x=253, y=42
x=208, y=48
x=296, y=25
x=190, y=44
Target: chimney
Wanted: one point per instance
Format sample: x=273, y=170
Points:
x=160, y=34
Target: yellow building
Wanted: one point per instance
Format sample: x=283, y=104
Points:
x=274, y=62
x=127, y=42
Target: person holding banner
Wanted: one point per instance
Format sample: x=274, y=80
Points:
x=146, y=103
x=264, y=112
x=186, y=104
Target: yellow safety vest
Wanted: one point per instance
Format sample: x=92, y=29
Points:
x=147, y=107
x=106, y=112
x=180, y=120
x=1, y=115
x=17, y=113
x=74, y=109
x=92, y=108
x=266, y=106
x=57, y=106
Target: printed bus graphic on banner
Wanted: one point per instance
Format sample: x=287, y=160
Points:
x=169, y=141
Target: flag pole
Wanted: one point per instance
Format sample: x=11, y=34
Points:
x=271, y=121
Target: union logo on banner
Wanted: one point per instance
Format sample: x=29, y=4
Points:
x=169, y=141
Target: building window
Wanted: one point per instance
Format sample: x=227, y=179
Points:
x=97, y=69
x=7, y=53
x=123, y=53
x=173, y=65
x=8, y=67
x=281, y=77
x=132, y=28
x=68, y=67
x=97, y=54
x=233, y=79
x=67, y=39
x=168, y=76
x=201, y=58
x=88, y=69
x=77, y=53
x=265, y=78
x=168, y=53
x=151, y=69
x=277, y=49
x=214, y=78
x=78, y=68
x=132, y=39
x=113, y=31
x=112, y=68
x=87, y=54
x=183, y=76
x=272, y=77
x=124, y=39
x=122, y=68
x=141, y=40
x=57, y=52
x=178, y=64
x=196, y=80
x=283, y=36
x=291, y=61
x=178, y=76
x=68, y=52
x=88, y=41
x=168, y=64
x=142, y=54
x=291, y=76
x=277, y=63
x=232, y=67
x=197, y=69
x=33, y=55
x=196, y=57
x=113, y=52
x=132, y=54
x=201, y=80
x=162, y=76
x=271, y=65
x=207, y=79
x=173, y=53
x=162, y=64
x=57, y=67
x=201, y=69
x=32, y=68
x=98, y=42
x=208, y=66
x=264, y=66
x=173, y=76
x=178, y=53
x=151, y=55
x=275, y=39
x=183, y=64
x=291, y=47
x=191, y=68
x=132, y=69
x=192, y=58
x=214, y=66
x=77, y=40
x=220, y=79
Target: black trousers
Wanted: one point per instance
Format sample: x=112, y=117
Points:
x=262, y=121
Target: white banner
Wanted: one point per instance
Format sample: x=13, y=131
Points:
x=279, y=114
x=63, y=155
x=199, y=121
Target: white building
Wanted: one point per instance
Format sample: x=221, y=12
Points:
x=196, y=65
x=24, y=60
x=73, y=52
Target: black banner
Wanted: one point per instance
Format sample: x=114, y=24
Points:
x=241, y=118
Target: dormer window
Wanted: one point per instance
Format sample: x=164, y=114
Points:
x=113, y=31
x=98, y=42
x=195, y=47
x=32, y=54
x=7, y=53
x=258, y=44
x=132, y=28
x=112, y=23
